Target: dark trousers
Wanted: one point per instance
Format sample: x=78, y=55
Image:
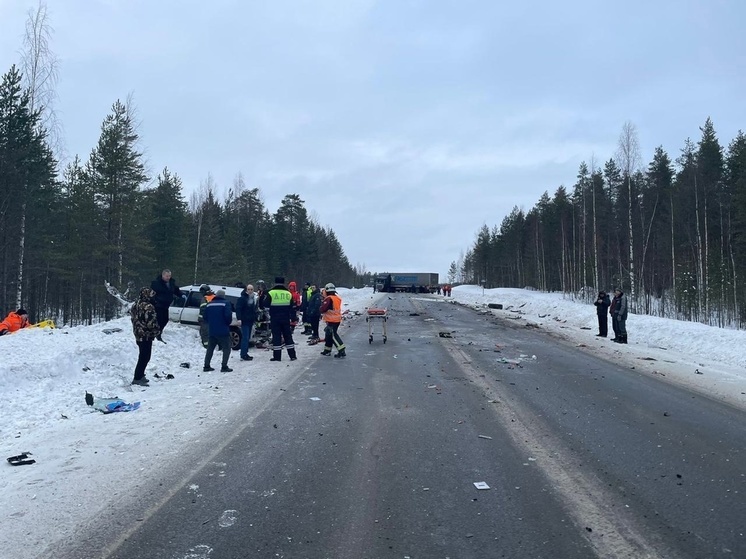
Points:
x=161, y=315
x=282, y=334
x=331, y=337
x=314, y=322
x=603, y=325
x=615, y=326
x=146, y=350
x=225, y=345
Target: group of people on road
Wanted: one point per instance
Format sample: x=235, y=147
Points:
x=617, y=309
x=149, y=315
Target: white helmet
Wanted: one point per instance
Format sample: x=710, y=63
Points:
x=330, y=287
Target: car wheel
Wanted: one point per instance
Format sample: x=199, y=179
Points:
x=235, y=339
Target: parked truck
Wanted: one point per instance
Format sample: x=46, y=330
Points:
x=417, y=282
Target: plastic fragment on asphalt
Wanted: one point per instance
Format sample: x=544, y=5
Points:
x=485, y=437
x=314, y=398
x=481, y=485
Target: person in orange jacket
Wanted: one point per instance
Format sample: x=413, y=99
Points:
x=14, y=322
x=297, y=301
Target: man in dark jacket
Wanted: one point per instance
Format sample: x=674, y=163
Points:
x=281, y=307
x=246, y=308
x=618, y=311
x=218, y=315
x=602, y=310
x=146, y=329
x=165, y=290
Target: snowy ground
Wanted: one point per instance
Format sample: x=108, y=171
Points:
x=86, y=461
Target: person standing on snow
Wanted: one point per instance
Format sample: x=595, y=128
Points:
x=305, y=296
x=618, y=312
x=602, y=309
x=14, y=322
x=218, y=315
x=279, y=300
x=246, y=308
x=165, y=290
x=331, y=310
x=313, y=315
x=146, y=329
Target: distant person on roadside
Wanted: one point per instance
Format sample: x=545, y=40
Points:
x=146, y=329
x=281, y=306
x=331, y=310
x=14, y=322
x=602, y=310
x=218, y=315
x=313, y=315
x=618, y=312
x=305, y=296
x=246, y=308
x=165, y=290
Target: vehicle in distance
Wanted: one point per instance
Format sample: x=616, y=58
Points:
x=420, y=282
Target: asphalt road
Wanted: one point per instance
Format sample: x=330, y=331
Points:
x=377, y=455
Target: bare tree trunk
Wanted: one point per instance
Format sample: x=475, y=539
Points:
x=628, y=155
x=700, y=253
x=673, y=263
x=21, y=252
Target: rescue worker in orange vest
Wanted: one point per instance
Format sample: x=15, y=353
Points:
x=331, y=311
x=14, y=322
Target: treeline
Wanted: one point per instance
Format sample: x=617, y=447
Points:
x=62, y=235
x=672, y=235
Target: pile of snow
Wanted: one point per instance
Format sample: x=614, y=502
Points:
x=86, y=459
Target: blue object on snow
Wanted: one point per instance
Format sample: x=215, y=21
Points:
x=111, y=405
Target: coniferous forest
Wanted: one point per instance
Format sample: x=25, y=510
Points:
x=104, y=219
x=671, y=234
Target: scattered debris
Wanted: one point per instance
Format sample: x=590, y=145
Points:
x=111, y=330
x=666, y=414
x=314, y=398
x=484, y=437
x=647, y=358
x=497, y=306
x=21, y=459
x=184, y=365
x=445, y=334
x=585, y=328
x=698, y=372
x=481, y=485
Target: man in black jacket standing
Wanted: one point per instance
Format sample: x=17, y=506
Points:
x=602, y=309
x=165, y=290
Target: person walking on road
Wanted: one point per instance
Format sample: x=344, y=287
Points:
x=246, y=307
x=146, y=329
x=281, y=306
x=165, y=290
x=618, y=311
x=218, y=315
x=331, y=310
x=602, y=310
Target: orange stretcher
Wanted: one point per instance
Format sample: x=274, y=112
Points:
x=376, y=315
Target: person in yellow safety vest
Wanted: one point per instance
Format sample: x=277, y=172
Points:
x=281, y=306
x=305, y=297
x=331, y=311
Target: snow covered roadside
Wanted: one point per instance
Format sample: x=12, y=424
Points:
x=90, y=465
x=706, y=359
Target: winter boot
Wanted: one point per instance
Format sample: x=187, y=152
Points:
x=276, y=355
x=326, y=351
x=207, y=369
x=226, y=369
x=291, y=353
x=624, y=339
x=341, y=353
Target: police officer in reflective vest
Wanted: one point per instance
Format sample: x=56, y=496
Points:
x=279, y=300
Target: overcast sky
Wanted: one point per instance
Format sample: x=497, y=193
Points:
x=404, y=125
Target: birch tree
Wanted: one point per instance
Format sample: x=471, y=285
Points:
x=628, y=159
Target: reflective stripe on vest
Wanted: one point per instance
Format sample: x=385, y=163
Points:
x=335, y=313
